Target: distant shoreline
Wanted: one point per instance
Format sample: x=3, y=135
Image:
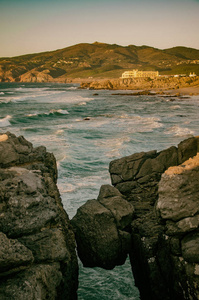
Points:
x=166, y=86
x=173, y=88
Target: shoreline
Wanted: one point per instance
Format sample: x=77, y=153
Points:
x=183, y=91
x=168, y=86
x=141, y=89
x=101, y=84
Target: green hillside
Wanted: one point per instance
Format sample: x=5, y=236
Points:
x=97, y=60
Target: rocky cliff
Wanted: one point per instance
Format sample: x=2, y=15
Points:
x=151, y=213
x=37, y=246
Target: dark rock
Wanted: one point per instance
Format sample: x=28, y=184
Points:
x=27, y=206
x=38, y=259
x=48, y=245
x=137, y=175
x=186, y=149
x=190, y=248
x=121, y=210
x=140, y=93
x=101, y=229
x=39, y=282
x=178, y=204
x=161, y=254
x=160, y=228
x=178, y=194
x=14, y=256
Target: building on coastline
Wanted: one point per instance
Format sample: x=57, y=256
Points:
x=192, y=74
x=140, y=74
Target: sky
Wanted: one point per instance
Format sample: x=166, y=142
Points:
x=32, y=26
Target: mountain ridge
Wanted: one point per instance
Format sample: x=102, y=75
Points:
x=97, y=60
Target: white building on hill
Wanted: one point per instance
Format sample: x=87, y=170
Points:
x=139, y=74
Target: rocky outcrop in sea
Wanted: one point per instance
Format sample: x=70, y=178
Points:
x=37, y=249
x=151, y=213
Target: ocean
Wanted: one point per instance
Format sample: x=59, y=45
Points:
x=85, y=130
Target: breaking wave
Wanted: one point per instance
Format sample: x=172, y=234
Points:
x=179, y=131
x=5, y=121
x=51, y=112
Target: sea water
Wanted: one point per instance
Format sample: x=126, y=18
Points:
x=86, y=130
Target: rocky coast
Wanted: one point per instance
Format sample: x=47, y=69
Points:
x=160, y=85
x=150, y=212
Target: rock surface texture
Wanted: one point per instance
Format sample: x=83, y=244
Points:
x=102, y=229
x=152, y=213
x=37, y=246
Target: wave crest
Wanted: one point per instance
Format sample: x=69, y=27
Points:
x=51, y=112
x=5, y=121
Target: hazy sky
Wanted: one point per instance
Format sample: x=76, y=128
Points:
x=30, y=26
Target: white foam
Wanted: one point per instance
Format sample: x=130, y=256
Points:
x=77, y=183
x=175, y=107
x=179, y=131
x=2, y=93
x=112, y=146
x=5, y=100
x=52, y=111
x=5, y=121
x=138, y=123
x=82, y=103
x=60, y=131
x=18, y=99
x=32, y=115
x=63, y=111
x=72, y=88
x=59, y=111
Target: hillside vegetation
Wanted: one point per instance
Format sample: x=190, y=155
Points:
x=97, y=60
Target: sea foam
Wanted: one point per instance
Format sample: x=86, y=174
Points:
x=179, y=131
x=5, y=121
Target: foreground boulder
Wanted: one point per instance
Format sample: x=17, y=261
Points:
x=101, y=228
x=37, y=249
